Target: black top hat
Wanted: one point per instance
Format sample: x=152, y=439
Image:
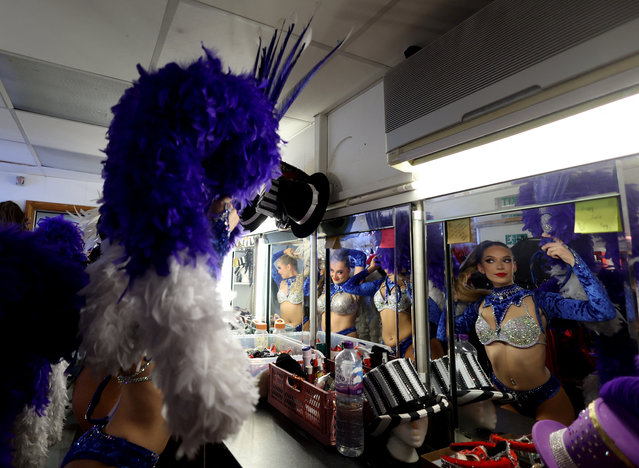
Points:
x=250, y=219
x=396, y=395
x=296, y=200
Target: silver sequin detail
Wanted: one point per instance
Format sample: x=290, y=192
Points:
x=520, y=332
x=559, y=450
x=341, y=304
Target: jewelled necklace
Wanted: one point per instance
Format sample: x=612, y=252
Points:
x=502, y=298
x=336, y=288
x=390, y=284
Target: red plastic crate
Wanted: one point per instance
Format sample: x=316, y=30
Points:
x=310, y=407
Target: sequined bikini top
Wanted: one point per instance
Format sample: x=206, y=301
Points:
x=294, y=297
x=390, y=301
x=342, y=303
x=520, y=332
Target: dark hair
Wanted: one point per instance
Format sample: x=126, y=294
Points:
x=470, y=292
x=11, y=213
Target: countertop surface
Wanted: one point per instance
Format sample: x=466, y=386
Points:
x=268, y=438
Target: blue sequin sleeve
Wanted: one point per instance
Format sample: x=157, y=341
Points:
x=434, y=315
x=598, y=307
x=465, y=322
x=355, y=285
x=274, y=274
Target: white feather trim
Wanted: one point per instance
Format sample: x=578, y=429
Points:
x=179, y=321
x=35, y=434
x=87, y=221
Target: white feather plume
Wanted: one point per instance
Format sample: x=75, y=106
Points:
x=35, y=434
x=178, y=320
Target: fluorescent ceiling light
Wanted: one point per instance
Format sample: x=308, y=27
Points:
x=605, y=132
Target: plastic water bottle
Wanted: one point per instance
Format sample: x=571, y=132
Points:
x=261, y=338
x=349, y=431
x=462, y=345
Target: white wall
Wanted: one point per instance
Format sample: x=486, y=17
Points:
x=48, y=189
x=357, y=147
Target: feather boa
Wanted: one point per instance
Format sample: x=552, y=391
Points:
x=180, y=138
x=41, y=273
x=177, y=320
x=35, y=433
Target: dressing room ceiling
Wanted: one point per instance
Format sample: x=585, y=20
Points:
x=65, y=63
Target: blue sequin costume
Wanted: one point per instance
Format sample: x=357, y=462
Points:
x=295, y=296
x=597, y=308
x=355, y=285
x=95, y=444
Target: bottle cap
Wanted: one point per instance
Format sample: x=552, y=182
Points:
x=280, y=324
x=260, y=325
x=348, y=345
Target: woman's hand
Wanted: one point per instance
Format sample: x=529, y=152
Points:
x=290, y=252
x=558, y=249
x=373, y=264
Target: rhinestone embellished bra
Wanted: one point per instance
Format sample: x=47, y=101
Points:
x=520, y=332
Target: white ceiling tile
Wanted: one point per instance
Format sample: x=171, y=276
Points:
x=15, y=152
x=234, y=39
x=410, y=22
x=104, y=37
x=291, y=127
x=63, y=134
x=341, y=77
x=8, y=128
x=60, y=159
x=332, y=19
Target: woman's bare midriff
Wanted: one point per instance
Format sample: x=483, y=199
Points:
x=292, y=314
x=340, y=322
x=389, y=326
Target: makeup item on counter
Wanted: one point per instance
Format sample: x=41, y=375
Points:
x=326, y=382
x=260, y=329
x=310, y=376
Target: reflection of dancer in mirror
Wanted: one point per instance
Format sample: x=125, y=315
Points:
x=290, y=294
x=344, y=306
x=511, y=321
x=392, y=295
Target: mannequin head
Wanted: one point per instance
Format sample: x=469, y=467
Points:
x=479, y=415
x=405, y=439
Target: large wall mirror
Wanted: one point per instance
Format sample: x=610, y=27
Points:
x=556, y=368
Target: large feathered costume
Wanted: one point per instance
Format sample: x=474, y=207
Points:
x=182, y=138
x=41, y=274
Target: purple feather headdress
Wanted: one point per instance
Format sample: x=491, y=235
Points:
x=183, y=137
x=41, y=273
